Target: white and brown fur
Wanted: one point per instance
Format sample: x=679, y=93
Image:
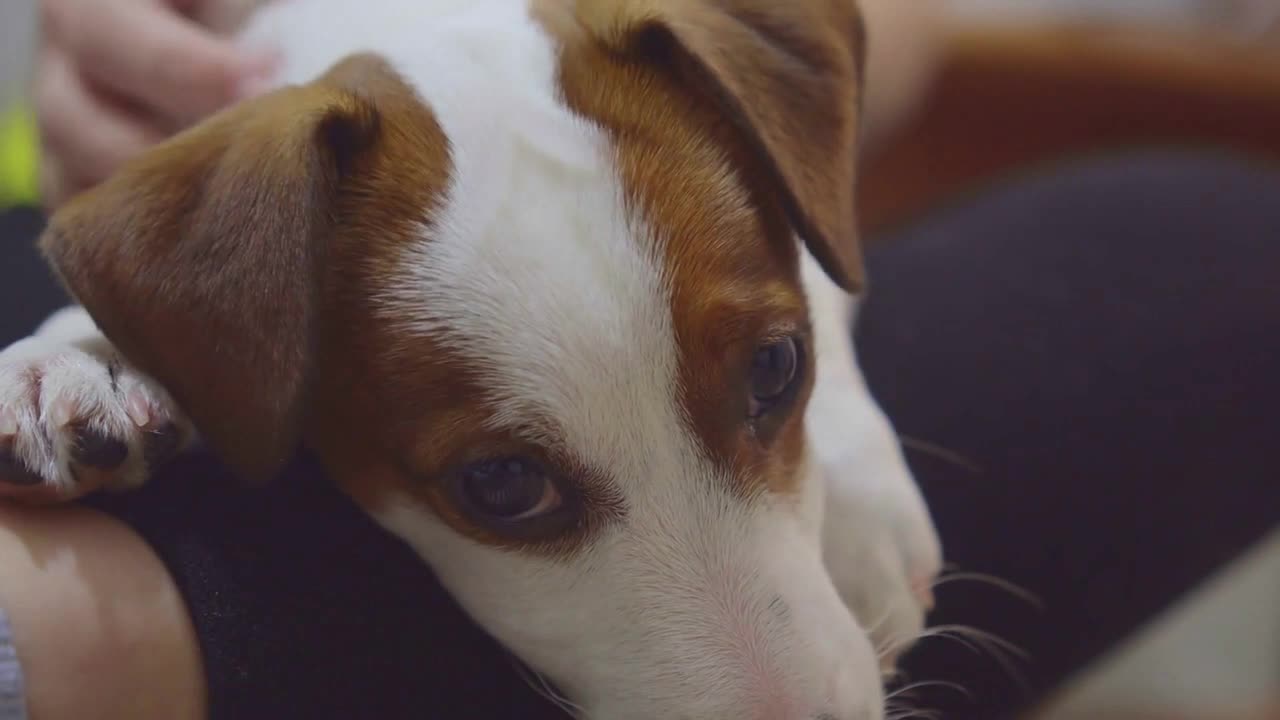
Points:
x=463, y=228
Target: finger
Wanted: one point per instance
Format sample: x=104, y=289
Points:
x=152, y=54
x=221, y=16
x=87, y=136
x=55, y=188
x=57, y=184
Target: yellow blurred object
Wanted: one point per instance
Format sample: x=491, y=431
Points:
x=19, y=158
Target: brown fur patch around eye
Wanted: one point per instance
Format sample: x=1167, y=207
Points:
x=729, y=253
x=397, y=412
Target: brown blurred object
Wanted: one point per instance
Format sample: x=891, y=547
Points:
x=1010, y=99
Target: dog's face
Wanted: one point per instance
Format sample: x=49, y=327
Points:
x=565, y=355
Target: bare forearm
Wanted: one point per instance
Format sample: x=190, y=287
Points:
x=101, y=631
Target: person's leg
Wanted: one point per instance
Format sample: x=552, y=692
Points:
x=1102, y=344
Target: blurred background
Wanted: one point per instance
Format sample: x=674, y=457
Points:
x=17, y=38
x=1025, y=82
x=1028, y=82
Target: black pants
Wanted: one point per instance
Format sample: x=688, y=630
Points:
x=1098, y=350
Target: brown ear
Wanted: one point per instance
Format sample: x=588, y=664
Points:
x=787, y=74
x=204, y=260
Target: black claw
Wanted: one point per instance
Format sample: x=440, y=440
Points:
x=13, y=472
x=95, y=450
x=161, y=444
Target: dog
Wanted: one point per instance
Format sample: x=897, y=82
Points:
x=560, y=293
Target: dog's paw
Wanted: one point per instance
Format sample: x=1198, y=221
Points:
x=882, y=579
x=879, y=541
x=75, y=418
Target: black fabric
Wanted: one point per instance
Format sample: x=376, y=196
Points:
x=1101, y=342
x=305, y=609
x=28, y=293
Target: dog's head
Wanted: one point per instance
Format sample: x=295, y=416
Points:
x=565, y=354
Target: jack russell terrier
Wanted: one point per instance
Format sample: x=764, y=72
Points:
x=559, y=292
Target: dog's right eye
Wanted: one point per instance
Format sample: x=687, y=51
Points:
x=509, y=489
x=775, y=370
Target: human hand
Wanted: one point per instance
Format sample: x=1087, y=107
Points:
x=116, y=76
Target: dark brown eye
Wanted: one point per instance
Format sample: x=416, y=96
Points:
x=509, y=489
x=774, y=370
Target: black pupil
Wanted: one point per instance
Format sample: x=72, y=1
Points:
x=773, y=369
x=505, y=488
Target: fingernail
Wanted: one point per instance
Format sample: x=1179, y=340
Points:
x=13, y=472
x=62, y=412
x=93, y=449
x=161, y=444
x=259, y=74
x=139, y=409
x=263, y=62
x=252, y=88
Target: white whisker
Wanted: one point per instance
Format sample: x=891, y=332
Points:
x=937, y=451
x=982, y=636
x=1015, y=590
x=909, y=713
x=980, y=642
x=906, y=689
x=540, y=685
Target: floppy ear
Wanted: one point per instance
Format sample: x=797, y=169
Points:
x=786, y=73
x=204, y=260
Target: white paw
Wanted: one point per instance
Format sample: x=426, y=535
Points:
x=74, y=418
x=879, y=542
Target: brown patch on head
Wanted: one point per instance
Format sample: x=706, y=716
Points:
x=403, y=413
x=783, y=77
x=735, y=127
x=213, y=261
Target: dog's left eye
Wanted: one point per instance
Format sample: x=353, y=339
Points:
x=774, y=370
x=509, y=489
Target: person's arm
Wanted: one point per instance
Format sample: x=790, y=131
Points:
x=99, y=627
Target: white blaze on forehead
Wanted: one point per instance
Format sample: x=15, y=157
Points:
x=533, y=268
